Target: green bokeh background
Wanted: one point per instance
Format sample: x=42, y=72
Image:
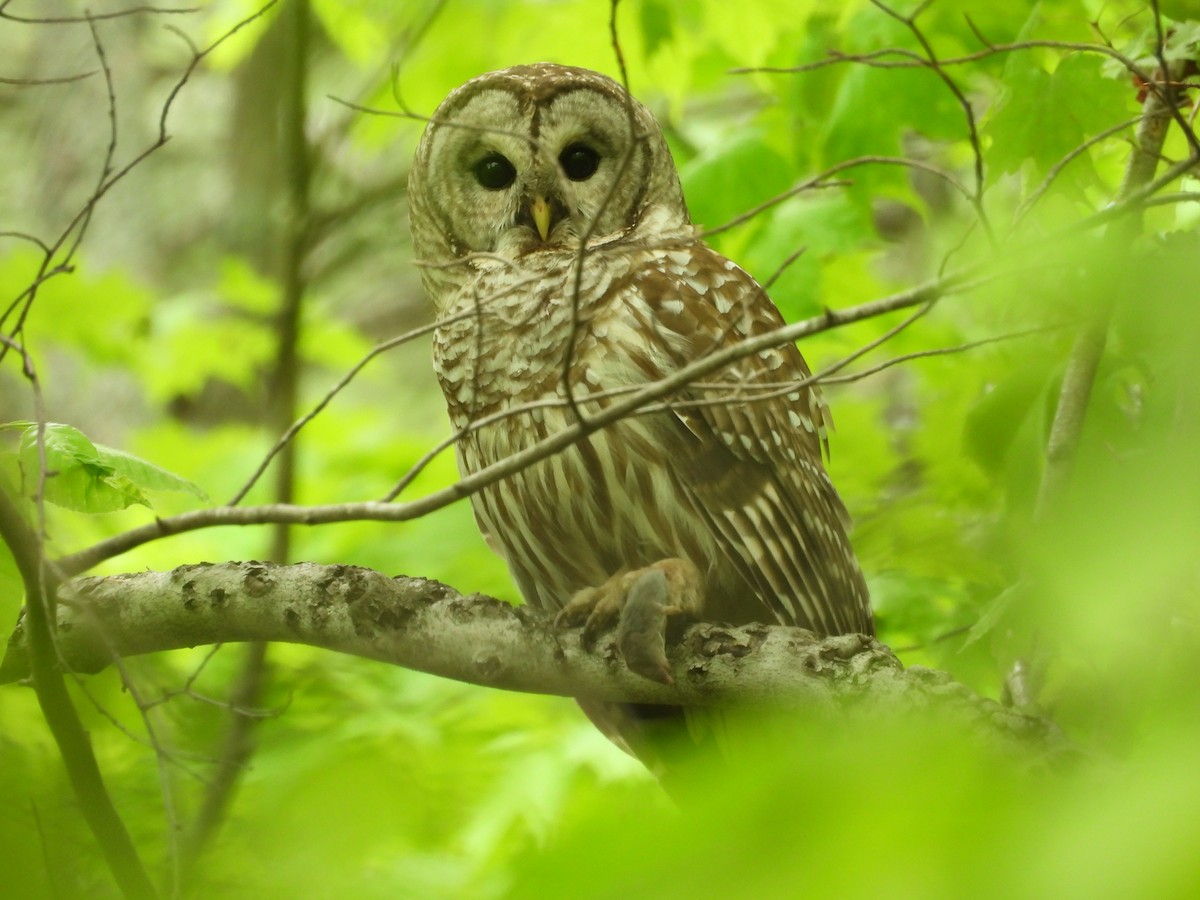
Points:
x=377, y=782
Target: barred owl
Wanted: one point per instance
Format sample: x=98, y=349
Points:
x=553, y=238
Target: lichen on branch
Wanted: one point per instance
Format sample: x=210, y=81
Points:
x=424, y=625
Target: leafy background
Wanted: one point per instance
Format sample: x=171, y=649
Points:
x=369, y=781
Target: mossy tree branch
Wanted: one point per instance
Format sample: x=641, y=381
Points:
x=424, y=625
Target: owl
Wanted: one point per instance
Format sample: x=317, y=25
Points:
x=554, y=241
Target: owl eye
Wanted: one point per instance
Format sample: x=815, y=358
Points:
x=494, y=172
x=579, y=162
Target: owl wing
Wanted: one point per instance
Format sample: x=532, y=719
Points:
x=755, y=437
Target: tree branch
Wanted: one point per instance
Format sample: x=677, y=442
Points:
x=1088, y=349
x=76, y=563
x=41, y=666
x=428, y=626
x=238, y=742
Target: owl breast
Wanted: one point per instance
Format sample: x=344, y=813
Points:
x=500, y=356
x=502, y=340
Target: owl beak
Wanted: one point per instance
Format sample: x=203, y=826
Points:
x=539, y=211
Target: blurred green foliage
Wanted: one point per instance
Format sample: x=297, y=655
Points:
x=374, y=782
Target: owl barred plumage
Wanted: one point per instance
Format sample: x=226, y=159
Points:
x=514, y=170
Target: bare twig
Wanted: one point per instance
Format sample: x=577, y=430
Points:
x=589, y=231
x=879, y=59
x=40, y=82
x=96, y=17
x=109, y=151
x=975, y=196
x=822, y=180
x=1171, y=82
x=49, y=266
x=313, y=515
x=1055, y=170
x=938, y=351
x=1084, y=361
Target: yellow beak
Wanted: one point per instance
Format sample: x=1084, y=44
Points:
x=539, y=210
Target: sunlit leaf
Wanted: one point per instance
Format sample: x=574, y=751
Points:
x=656, y=24
x=1042, y=116
x=89, y=477
x=741, y=173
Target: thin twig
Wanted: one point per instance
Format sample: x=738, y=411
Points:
x=1075, y=394
x=76, y=563
x=1079, y=378
x=40, y=82
x=97, y=17
x=909, y=60
x=822, y=180
x=1055, y=170
x=940, y=351
x=589, y=231
x=975, y=196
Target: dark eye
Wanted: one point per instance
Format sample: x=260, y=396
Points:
x=579, y=162
x=494, y=172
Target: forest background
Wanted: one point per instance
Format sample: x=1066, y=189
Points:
x=203, y=230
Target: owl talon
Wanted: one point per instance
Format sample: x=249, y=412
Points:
x=606, y=608
x=639, y=604
x=597, y=608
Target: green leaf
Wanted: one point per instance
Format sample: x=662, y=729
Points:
x=656, y=25
x=1180, y=10
x=993, y=613
x=734, y=176
x=827, y=227
x=1042, y=116
x=92, y=478
x=147, y=475
x=998, y=416
x=76, y=476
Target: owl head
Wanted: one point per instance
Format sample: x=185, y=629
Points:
x=535, y=158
